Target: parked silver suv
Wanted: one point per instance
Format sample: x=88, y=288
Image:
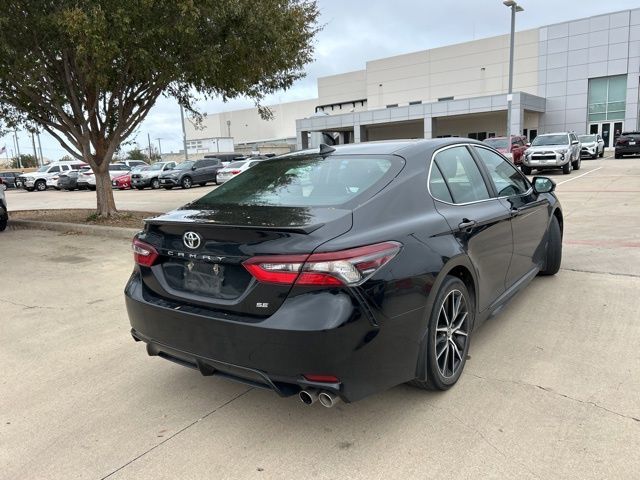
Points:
x=553, y=150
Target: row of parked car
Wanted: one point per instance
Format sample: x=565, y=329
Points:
x=77, y=175
x=563, y=150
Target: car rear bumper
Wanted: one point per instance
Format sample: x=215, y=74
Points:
x=627, y=149
x=339, y=338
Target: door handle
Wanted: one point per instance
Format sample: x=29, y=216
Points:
x=466, y=223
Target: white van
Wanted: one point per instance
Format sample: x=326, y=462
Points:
x=47, y=175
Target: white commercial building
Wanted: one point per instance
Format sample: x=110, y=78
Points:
x=581, y=76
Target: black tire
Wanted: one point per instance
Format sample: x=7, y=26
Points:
x=40, y=185
x=168, y=187
x=92, y=188
x=618, y=155
x=186, y=182
x=29, y=189
x=554, y=248
x=155, y=184
x=576, y=164
x=434, y=358
x=4, y=219
x=602, y=153
x=139, y=188
x=526, y=170
x=594, y=156
x=202, y=184
x=566, y=168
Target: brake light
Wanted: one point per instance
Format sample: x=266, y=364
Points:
x=321, y=378
x=347, y=267
x=143, y=253
x=235, y=172
x=622, y=141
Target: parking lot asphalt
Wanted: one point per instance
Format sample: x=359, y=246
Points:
x=550, y=390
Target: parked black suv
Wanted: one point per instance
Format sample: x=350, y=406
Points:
x=188, y=173
x=627, y=144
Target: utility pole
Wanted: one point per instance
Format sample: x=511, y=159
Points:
x=15, y=137
x=150, y=151
x=40, y=148
x=159, y=147
x=184, y=134
x=35, y=152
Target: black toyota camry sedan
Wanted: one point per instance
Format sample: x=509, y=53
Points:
x=340, y=272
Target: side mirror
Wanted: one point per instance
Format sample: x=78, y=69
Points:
x=527, y=145
x=543, y=185
x=193, y=168
x=575, y=142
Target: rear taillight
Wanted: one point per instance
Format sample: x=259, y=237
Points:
x=235, y=172
x=347, y=267
x=622, y=141
x=312, y=377
x=143, y=253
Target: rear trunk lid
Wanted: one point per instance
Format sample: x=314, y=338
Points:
x=209, y=273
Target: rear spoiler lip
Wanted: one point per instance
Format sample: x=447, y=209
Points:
x=293, y=229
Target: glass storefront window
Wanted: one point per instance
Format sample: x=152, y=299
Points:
x=607, y=97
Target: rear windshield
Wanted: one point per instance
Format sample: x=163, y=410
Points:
x=496, y=142
x=235, y=164
x=304, y=181
x=550, y=140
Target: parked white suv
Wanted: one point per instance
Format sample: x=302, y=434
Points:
x=552, y=150
x=47, y=175
x=4, y=213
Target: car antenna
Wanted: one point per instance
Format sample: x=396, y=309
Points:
x=326, y=150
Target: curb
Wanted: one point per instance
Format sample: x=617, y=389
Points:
x=96, y=230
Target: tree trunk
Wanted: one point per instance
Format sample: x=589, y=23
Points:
x=104, y=194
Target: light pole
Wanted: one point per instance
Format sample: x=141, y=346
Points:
x=514, y=9
x=159, y=147
x=184, y=134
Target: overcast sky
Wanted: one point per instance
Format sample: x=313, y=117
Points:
x=356, y=31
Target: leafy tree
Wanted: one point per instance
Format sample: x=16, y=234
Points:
x=89, y=71
x=136, y=154
x=24, y=161
x=66, y=158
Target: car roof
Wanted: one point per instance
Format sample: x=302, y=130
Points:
x=390, y=147
x=554, y=133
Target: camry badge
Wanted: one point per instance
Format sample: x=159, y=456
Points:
x=191, y=240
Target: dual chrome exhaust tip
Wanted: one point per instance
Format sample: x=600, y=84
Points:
x=312, y=395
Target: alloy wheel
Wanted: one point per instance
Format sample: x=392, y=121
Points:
x=451, y=333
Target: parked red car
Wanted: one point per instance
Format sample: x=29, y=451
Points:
x=515, y=153
x=123, y=182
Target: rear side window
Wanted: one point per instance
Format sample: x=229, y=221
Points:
x=505, y=177
x=461, y=175
x=306, y=181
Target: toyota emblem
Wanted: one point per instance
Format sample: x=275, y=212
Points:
x=191, y=240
